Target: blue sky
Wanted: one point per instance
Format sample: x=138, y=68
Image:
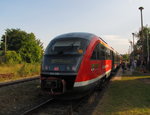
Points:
x=112, y=20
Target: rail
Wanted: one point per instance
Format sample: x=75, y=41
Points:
x=18, y=81
x=28, y=112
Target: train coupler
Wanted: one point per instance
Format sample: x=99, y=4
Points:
x=56, y=87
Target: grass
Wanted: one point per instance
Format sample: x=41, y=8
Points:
x=18, y=71
x=128, y=96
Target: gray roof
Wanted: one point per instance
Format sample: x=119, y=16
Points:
x=83, y=35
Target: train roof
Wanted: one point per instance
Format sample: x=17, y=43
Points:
x=83, y=35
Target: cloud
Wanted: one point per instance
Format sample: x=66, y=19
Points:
x=119, y=43
x=115, y=39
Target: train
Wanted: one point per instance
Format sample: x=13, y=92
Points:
x=75, y=63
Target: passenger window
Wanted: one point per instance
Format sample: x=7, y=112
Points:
x=102, y=52
x=109, y=54
x=98, y=52
x=95, y=54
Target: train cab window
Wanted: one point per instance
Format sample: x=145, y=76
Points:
x=67, y=46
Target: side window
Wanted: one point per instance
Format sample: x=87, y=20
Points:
x=102, y=52
x=96, y=53
x=108, y=55
x=93, y=57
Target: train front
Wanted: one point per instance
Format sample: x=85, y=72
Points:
x=61, y=63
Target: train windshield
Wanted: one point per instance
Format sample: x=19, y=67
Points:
x=66, y=47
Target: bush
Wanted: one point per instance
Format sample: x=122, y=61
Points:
x=29, y=70
x=1, y=53
x=12, y=57
x=19, y=71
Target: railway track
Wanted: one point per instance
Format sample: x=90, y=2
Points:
x=57, y=107
x=18, y=81
x=89, y=100
x=66, y=107
x=31, y=110
x=75, y=105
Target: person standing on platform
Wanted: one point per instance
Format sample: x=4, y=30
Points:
x=123, y=66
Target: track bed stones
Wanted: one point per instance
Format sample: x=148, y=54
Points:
x=17, y=98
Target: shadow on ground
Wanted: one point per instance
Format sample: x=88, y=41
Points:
x=130, y=95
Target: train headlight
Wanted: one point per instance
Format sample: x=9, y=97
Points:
x=73, y=68
x=46, y=67
x=68, y=68
x=80, y=51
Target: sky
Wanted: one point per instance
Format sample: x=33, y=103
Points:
x=112, y=20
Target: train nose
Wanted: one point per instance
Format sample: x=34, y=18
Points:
x=59, y=68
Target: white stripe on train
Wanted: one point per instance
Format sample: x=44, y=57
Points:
x=84, y=83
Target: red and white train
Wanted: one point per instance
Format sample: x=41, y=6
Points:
x=75, y=63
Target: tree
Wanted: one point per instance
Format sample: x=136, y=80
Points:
x=125, y=57
x=143, y=43
x=12, y=57
x=142, y=40
x=25, y=44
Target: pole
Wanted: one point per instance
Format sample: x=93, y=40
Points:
x=5, y=45
x=133, y=46
x=148, y=49
x=131, y=50
x=129, y=53
x=141, y=8
x=142, y=39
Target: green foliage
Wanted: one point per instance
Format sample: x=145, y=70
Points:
x=125, y=57
x=12, y=57
x=19, y=71
x=143, y=36
x=2, y=59
x=31, y=52
x=1, y=53
x=28, y=70
x=25, y=44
